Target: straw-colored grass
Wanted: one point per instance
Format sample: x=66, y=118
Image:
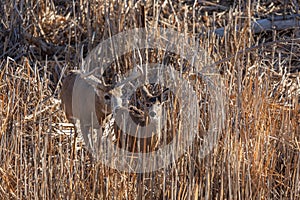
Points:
x=258, y=153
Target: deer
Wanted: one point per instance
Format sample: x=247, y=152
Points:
x=86, y=104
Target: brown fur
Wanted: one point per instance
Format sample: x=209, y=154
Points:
x=80, y=106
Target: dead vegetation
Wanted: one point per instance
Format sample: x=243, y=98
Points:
x=258, y=154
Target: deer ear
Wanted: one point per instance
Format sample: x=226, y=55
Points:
x=102, y=89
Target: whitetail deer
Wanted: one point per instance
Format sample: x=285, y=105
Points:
x=86, y=105
x=139, y=127
x=87, y=102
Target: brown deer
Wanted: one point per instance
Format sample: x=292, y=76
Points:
x=86, y=105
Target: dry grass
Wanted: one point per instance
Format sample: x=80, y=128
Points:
x=257, y=157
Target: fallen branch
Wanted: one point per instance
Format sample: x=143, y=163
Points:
x=275, y=23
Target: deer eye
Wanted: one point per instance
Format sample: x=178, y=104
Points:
x=148, y=105
x=106, y=97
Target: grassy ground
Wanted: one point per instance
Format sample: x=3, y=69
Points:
x=258, y=154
